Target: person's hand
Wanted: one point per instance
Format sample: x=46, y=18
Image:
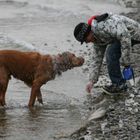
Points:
x=123, y=63
x=89, y=87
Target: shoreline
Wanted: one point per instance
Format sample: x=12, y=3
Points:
x=114, y=118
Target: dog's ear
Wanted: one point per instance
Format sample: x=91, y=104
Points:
x=65, y=57
x=65, y=53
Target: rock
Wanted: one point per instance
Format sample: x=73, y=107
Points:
x=103, y=80
x=45, y=44
x=86, y=137
x=68, y=40
x=103, y=125
x=99, y=113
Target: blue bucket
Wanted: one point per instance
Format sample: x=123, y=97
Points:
x=128, y=73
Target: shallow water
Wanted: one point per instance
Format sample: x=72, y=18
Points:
x=46, y=26
x=58, y=117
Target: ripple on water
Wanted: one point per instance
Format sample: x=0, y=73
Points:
x=59, y=116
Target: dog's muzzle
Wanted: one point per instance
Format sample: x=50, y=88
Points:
x=82, y=60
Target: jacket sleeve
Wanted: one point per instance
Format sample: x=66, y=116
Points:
x=97, y=58
x=125, y=39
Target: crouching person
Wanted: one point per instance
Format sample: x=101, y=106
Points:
x=115, y=34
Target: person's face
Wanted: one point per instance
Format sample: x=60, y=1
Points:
x=89, y=38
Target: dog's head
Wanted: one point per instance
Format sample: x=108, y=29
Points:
x=68, y=60
x=71, y=60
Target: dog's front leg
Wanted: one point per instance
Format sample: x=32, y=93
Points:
x=39, y=97
x=35, y=89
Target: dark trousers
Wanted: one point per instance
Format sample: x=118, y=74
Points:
x=113, y=55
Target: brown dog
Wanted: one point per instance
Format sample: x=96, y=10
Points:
x=34, y=69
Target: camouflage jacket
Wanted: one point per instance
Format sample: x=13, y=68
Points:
x=115, y=27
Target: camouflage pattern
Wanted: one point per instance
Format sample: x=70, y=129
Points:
x=115, y=27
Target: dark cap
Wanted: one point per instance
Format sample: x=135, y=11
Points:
x=81, y=31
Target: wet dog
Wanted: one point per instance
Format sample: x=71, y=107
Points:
x=34, y=69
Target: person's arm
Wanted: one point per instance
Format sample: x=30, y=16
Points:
x=98, y=55
x=97, y=58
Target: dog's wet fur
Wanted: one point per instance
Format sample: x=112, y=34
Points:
x=34, y=69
